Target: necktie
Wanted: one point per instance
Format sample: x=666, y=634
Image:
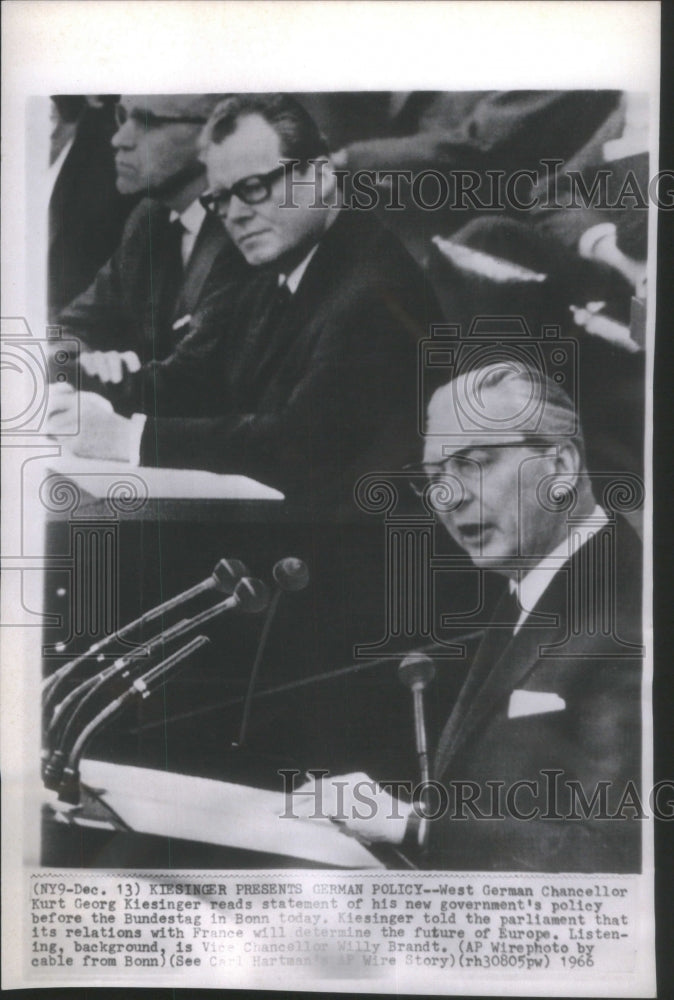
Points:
x=498, y=634
x=500, y=630
x=278, y=308
x=172, y=269
x=509, y=610
x=272, y=340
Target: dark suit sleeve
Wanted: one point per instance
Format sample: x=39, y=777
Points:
x=95, y=317
x=349, y=391
x=99, y=317
x=509, y=130
x=189, y=381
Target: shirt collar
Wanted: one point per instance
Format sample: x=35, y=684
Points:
x=54, y=169
x=292, y=280
x=530, y=588
x=192, y=218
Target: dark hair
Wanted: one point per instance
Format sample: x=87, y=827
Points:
x=300, y=137
x=69, y=106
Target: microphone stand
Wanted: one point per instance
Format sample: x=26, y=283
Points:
x=224, y=577
x=248, y=700
x=250, y=595
x=291, y=574
x=328, y=675
x=69, y=787
x=416, y=672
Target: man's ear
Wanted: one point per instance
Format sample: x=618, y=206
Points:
x=568, y=462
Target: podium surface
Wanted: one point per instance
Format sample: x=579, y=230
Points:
x=183, y=807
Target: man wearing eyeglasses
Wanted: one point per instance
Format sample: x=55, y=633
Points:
x=171, y=252
x=305, y=375
x=538, y=766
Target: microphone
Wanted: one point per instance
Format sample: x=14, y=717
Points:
x=224, y=578
x=416, y=671
x=290, y=575
x=69, y=786
x=250, y=596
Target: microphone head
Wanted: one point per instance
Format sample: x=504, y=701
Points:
x=291, y=574
x=227, y=574
x=251, y=595
x=416, y=670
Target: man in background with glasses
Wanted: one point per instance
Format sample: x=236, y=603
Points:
x=171, y=254
x=538, y=766
x=304, y=375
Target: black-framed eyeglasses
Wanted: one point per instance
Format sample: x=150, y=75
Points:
x=251, y=190
x=148, y=120
x=462, y=466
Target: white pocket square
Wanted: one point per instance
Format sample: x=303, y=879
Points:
x=180, y=323
x=534, y=703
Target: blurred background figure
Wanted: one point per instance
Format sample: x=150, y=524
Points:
x=171, y=254
x=479, y=131
x=86, y=211
x=577, y=260
x=583, y=244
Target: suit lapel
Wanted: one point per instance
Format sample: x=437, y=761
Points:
x=56, y=207
x=211, y=239
x=160, y=235
x=498, y=669
x=489, y=649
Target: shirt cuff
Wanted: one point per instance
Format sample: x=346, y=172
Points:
x=135, y=436
x=587, y=244
x=415, y=831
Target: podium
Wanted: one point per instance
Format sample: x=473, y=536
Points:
x=130, y=801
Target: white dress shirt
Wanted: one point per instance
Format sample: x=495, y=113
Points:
x=531, y=586
x=292, y=280
x=54, y=169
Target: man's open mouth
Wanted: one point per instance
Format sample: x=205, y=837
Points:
x=474, y=533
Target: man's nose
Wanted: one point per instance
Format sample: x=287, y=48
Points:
x=467, y=489
x=124, y=137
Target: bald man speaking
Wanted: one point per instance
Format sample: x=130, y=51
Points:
x=538, y=766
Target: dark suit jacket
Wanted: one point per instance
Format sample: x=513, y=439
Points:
x=335, y=393
x=594, y=737
x=86, y=212
x=123, y=309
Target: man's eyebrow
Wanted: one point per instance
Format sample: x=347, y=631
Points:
x=465, y=452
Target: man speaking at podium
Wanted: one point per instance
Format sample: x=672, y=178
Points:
x=303, y=376
x=538, y=766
